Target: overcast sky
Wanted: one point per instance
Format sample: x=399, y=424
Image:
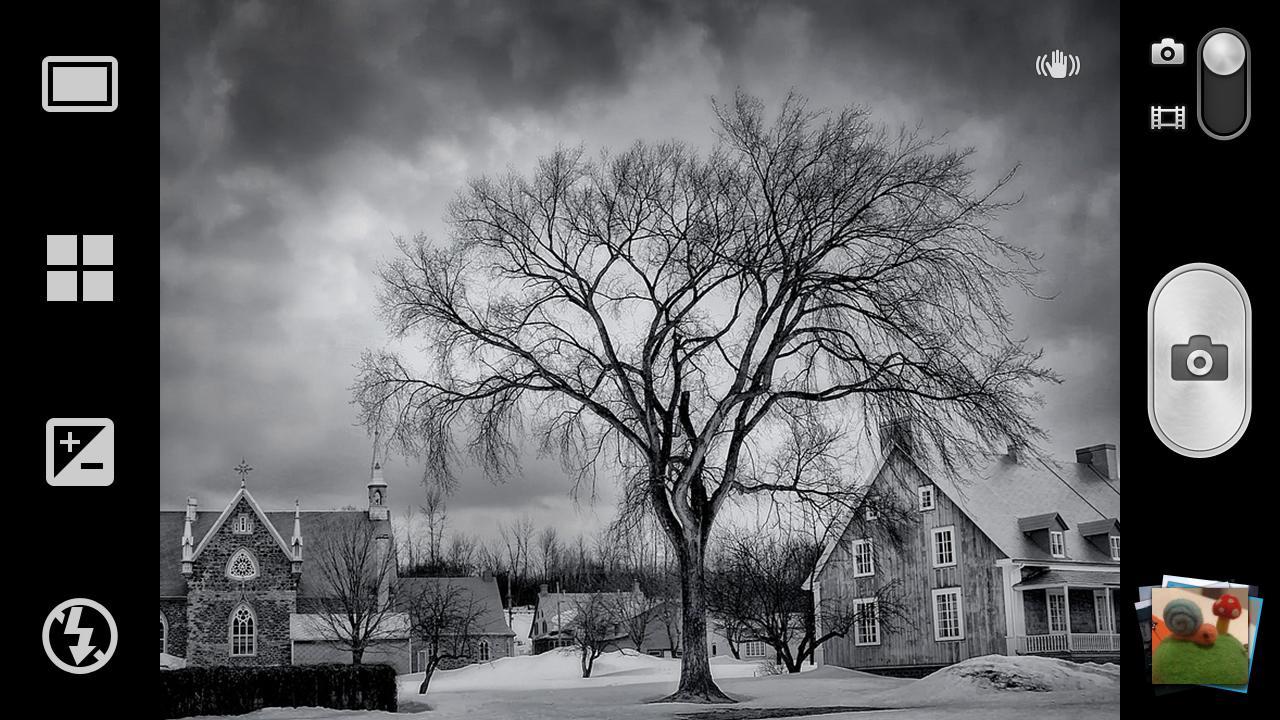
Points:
x=298, y=139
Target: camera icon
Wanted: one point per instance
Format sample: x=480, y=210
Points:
x=1199, y=359
x=1166, y=52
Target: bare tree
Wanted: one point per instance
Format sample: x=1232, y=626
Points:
x=356, y=565
x=516, y=538
x=549, y=550
x=435, y=514
x=633, y=612
x=594, y=628
x=675, y=315
x=446, y=619
x=756, y=592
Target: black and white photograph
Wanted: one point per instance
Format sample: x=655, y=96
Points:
x=639, y=360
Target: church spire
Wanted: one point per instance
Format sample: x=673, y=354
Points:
x=297, y=537
x=188, y=540
x=377, y=487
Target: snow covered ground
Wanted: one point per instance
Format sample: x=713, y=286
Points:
x=623, y=687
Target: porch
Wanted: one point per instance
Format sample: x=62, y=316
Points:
x=1068, y=613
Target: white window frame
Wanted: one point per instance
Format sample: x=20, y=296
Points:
x=482, y=650
x=1113, y=542
x=750, y=648
x=243, y=525
x=1102, y=610
x=164, y=634
x=1057, y=549
x=1049, y=596
x=937, y=619
x=871, y=557
x=874, y=627
x=926, y=491
x=252, y=636
x=933, y=546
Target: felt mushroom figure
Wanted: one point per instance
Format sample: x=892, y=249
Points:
x=1227, y=608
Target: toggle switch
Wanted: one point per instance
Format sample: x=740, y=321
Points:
x=1223, y=79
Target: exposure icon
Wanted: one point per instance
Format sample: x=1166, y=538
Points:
x=79, y=452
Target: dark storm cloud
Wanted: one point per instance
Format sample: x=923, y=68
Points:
x=297, y=138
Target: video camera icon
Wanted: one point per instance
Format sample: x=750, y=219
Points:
x=79, y=452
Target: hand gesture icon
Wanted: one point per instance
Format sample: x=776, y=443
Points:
x=1057, y=64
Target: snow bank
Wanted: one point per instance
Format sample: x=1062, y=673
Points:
x=561, y=668
x=170, y=662
x=992, y=675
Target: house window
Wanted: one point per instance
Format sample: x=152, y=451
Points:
x=243, y=525
x=944, y=546
x=1114, y=540
x=1057, y=546
x=482, y=651
x=754, y=648
x=866, y=627
x=164, y=634
x=244, y=638
x=948, y=615
x=1057, y=604
x=864, y=563
x=1103, y=612
x=926, y=497
x=242, y=566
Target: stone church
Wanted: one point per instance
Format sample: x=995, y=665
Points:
x=236, y=587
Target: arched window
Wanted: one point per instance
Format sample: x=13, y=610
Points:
x=482, y=651
x=244, y=635
x=242, y=565
x=164, y=633
x=377, y=497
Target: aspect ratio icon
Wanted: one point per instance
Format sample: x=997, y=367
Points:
x=79, y=452
x=79, y=83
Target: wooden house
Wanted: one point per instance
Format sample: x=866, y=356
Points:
x=1020, y=556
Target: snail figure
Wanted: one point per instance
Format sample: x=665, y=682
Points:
x=1185, y=621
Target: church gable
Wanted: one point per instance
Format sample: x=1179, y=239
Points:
x=241, y=550
x=243, y=518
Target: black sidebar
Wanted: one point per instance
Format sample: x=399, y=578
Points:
x=1197, y=190
x=85, y=304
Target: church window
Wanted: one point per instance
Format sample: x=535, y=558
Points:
x=164, y=633
x=482, y=651
x=244, y=638
x=243, y=524
x=377, y=497
x=242, y=566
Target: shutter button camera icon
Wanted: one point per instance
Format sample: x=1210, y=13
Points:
x=1199, y=359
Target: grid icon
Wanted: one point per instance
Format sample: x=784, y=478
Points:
x=79, y=268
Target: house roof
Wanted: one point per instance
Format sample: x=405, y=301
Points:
x=484, y=591
x=1108, y=526
x=1045, y=521
x=1001, y=493
x=1047, y=577
x=315, y=526
x=315, y=627
x=1004, y=490
x=560, y=608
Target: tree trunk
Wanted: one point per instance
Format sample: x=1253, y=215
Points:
x=696, y=684
x=426, y=677
x=586, y=664
x=357, y=655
